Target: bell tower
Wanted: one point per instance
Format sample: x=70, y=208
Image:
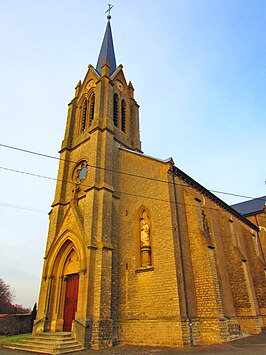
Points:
x=104, y=101
x=76, y=286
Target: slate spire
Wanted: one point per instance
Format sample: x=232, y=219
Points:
x=107, y=50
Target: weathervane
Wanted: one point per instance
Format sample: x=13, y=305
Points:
x=109, y=10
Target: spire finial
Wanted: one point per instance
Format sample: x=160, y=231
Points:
x=109, y=11
x=107, y=48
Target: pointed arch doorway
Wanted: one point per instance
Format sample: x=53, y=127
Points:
x=71, y=300
x=71, y=281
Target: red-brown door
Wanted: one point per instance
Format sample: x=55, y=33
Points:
x=71, y=301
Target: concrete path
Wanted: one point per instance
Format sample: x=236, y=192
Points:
x=252, y=345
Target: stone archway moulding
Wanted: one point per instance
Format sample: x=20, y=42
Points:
x=58, y=246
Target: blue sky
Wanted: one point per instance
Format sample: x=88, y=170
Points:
x=198, y=68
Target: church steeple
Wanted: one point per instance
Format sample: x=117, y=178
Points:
x=107, y=50
x=82, y=244
x=104, y=101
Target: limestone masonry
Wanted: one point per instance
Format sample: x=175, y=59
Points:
x=137, y=251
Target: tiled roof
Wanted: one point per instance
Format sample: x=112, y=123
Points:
x=250, y=207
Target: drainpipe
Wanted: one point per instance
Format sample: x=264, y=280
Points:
x=192, y=340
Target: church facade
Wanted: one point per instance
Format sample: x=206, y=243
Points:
x=137, y=251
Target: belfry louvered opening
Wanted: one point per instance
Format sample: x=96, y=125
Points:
x=123, y=112
x=115, y=110
x=92, y=105
x=84, y=115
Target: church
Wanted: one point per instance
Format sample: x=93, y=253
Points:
x=137, y=251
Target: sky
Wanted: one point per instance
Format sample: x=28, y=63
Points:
x=198, y=68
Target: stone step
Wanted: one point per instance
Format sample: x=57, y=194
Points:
x=54, y=340
x=54, y=334
x=48, y=343
x=45, y=350
x=21, y=348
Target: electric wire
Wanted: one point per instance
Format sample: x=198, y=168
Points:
x=22, y=207
x=110, y=170
x=28, y=173
x=129, y=223
x=117, y=191
x=169, y=201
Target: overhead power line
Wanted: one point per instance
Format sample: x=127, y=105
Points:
x=128, y=222
x=98, y=167
x=87, y=185
x=27, y=173
x=21, y=207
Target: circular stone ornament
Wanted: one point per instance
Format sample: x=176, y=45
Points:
x=80, y=172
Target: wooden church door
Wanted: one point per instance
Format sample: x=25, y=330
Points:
x=71, y=301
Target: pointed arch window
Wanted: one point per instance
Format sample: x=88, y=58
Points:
x=115, y=110
x=84, y=115
x=92, y=105
x=123, y=113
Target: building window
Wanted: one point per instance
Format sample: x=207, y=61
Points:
x=115, y=110
x=123, y=111
x=92, y=104
x=84, y=115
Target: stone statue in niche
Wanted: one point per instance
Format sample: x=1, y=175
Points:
x=145, y=233
x=145, y=239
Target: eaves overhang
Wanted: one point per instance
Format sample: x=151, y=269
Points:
x=254, y=213
x=212, y=197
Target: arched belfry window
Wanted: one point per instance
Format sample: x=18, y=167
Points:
x=92, y=105
x=123, y=114
x=145, y=238
x=115, y=110
x=84, y=115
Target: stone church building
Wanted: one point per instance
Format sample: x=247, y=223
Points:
x=137, y=251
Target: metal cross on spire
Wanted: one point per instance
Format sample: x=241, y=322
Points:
x=109, y=11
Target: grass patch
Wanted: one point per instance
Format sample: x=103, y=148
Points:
x=13, y=338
